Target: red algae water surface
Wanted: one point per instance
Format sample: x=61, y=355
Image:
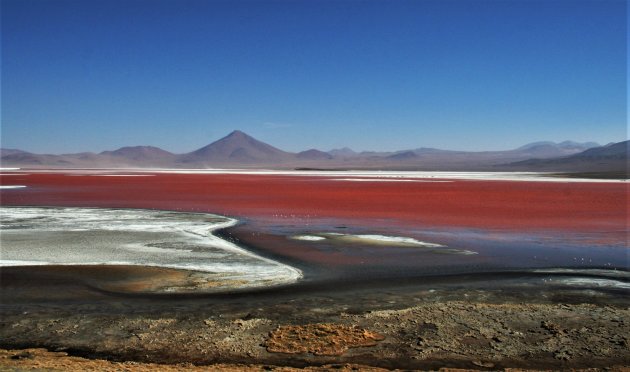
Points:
x=503, y=205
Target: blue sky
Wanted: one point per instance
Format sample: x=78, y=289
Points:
x=372, y=75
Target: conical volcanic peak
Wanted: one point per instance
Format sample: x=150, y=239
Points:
x=238, y=147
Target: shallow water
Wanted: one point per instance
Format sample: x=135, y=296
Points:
x=341, y=252
x=351, y=250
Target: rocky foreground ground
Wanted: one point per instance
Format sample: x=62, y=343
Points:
x=428, y=336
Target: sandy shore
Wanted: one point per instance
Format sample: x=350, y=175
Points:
x=42, y=359
x=81, y=280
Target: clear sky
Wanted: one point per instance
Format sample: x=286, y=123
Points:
x=92, y=75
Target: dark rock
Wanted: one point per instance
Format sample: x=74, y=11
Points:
x=22, y=355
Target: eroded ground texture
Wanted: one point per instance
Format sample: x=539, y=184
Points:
x=426, y=336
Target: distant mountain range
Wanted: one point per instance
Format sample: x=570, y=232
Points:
x=612, y=157
x=239, y=150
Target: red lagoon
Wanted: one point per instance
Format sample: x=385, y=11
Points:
x=504, y=205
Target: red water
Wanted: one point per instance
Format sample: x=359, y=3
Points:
x=595, y=211
x=476, y=204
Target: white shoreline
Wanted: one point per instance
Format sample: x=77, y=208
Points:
x=390, y=179
x=382, y=240
x=402, y=175
x=122, y=175
x=241, y=265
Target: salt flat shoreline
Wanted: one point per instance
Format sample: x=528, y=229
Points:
x=342, y=175
x=146, y=238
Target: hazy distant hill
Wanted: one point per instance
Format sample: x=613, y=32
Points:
x=313, y=154
x=552, y=149
x=140, y=153
x=23, y=158
x=563, y=145
x=343, y=152
x=403, y=155
x=617, y=150
x=612, y=157
x=241, y=150
x=7, y=152
x=437, y=159
x=137, y=156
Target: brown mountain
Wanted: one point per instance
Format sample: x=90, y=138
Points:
x=313, y=154
x=610, y=158
x=7, y=152
x=140, y=153
x=403, y=156
x=141, y=156
x=23, y=158
x=342, y=152
x=239, y=150
x=236, y=148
